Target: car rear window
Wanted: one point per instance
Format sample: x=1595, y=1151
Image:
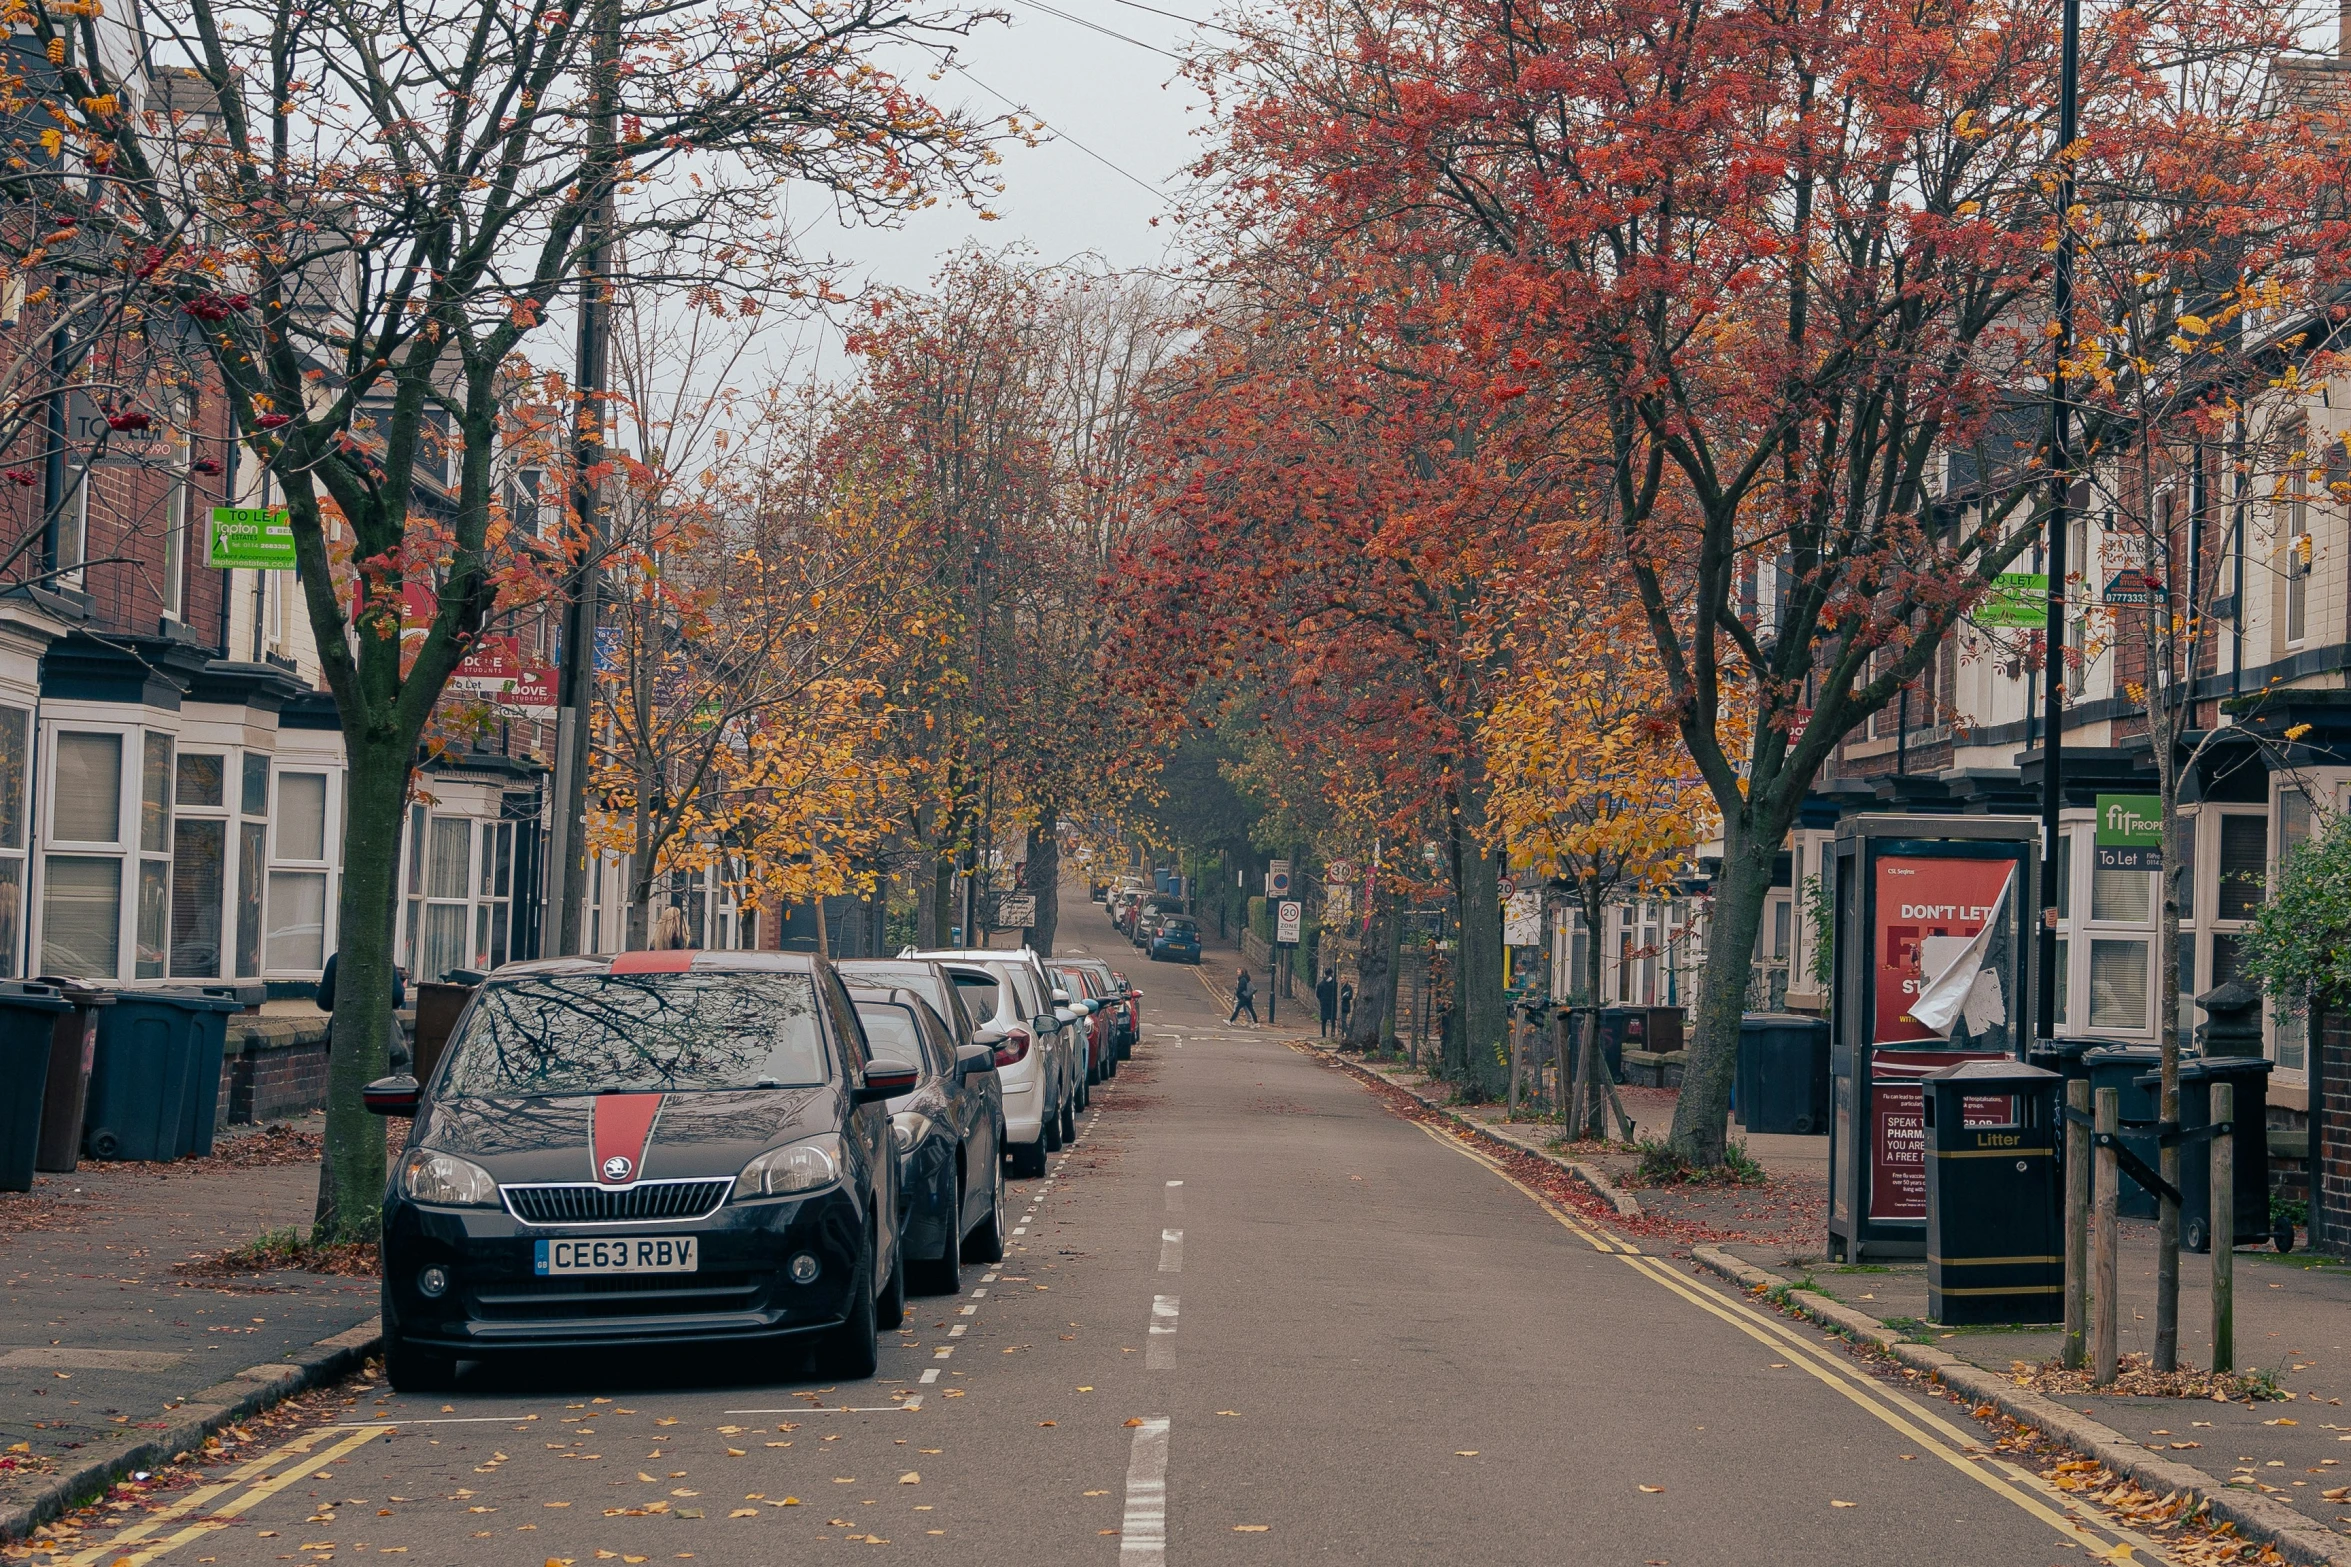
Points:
x=1174, y=925
x=639, y=1033
x=978, y=992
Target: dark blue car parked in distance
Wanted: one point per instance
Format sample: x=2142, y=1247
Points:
x=1177, y=940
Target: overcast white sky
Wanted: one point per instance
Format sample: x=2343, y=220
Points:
x=1121, y=101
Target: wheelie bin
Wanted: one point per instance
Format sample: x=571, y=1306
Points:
x=1783, y=1077
x=72, y=1051
x=28, y=1020
x=2249, y=1075
x=2126, y=1068
x=155, y=1086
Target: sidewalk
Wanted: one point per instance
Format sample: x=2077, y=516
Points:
x=103, y=1345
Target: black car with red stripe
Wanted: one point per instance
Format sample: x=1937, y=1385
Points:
x=654, y=1149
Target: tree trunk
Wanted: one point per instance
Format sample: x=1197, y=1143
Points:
x=1372, y=1023
x=1477, y=975
x=1044, y=862
x=940, y=902
x=351, y=1176
x=1701, y=1117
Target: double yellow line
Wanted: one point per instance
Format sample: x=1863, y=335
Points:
x=2073, y=1519
x=261, y=1478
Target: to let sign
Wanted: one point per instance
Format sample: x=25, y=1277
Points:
x=2018, y=598
x=2130, y=832
x=250, y=538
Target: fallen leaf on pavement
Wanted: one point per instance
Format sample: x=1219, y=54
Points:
x=1136, y=1420
x=1228, y=1411
x=744, y=1512
x=1251, y=1528
x=2281, y=1422
x=910, y=1477
x=1652, y=1490
x=1097, y=1493
x=1833, y=1502
x=1465, y=1452
x=1047, y=1422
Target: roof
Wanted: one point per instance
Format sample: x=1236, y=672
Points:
x=693, y=960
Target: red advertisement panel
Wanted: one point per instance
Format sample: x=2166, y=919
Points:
x=1921, y=899
x=1897, y=1126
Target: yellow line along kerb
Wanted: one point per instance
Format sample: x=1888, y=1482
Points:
x=267, y=1485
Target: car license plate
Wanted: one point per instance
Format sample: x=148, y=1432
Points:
x=617, y=1254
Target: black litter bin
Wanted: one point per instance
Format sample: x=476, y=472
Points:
x=155, y=1087
x=2126, y=1068
x=72, y=1051
x=2249, y=1075
x=28, y=1019
x=1995, y=1227
x=1783, y=1080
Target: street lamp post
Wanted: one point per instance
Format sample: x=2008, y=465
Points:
x=2060, y=512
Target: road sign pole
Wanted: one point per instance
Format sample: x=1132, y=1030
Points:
x=1273, y=987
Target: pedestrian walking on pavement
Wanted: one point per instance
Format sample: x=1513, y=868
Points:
x=1244, y=999
x=1346, y=1006
x=1326, y=999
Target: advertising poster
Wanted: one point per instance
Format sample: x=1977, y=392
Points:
x=1898, y=1130
x=1936, y=932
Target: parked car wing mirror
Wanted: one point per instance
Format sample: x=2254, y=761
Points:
x=1060, y=994
x=396, y=1095
x=990, y=1037
x=972, y=1060
x=887, y=1080
x=1045, y=1023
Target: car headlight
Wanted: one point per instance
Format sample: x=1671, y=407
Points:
x=446, y=1181
x=806, y=1166
x=907, y=1128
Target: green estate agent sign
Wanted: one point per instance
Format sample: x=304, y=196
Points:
x=2130, y=832
x=255, y=538
x=2018, y=598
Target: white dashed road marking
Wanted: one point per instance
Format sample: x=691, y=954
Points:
x=1175, y=1197
x=1142, y=1535
x=1171, y=1251
x=1160, y=1355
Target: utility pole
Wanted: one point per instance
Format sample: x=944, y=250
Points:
x=2060, y=514
x=575, y=698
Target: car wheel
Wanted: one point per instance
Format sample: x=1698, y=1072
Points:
x=852, y=1352
x=1028, y=1162
x=1050, y=1138
x=941, y=1275
x=889, y=1309
x=1069, y=1125
x=986, y=1241
x=413, y=1370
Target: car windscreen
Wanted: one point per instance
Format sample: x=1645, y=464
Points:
x=891, y=1034
x=639, y=1033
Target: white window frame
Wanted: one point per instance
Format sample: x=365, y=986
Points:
x=327, y=866
x=123, y=850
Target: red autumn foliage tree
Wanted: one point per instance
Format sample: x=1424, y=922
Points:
x=1747, y=273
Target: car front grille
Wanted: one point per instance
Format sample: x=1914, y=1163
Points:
x=556, y=1299
x=589, y=1204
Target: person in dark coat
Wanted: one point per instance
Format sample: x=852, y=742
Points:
x=1346, y=1007
x=1326, y=999
x=1244, y=998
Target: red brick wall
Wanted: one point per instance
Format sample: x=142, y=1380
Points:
x=265, y=1078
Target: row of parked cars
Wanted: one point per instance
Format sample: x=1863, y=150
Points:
x=765, y=1149
x=1154, y=921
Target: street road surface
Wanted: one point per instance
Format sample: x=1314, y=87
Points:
x=1251, y=1318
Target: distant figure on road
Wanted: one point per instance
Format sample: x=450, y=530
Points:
x=1326, y=997
x=1244, y=999
x=1346, y=1006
